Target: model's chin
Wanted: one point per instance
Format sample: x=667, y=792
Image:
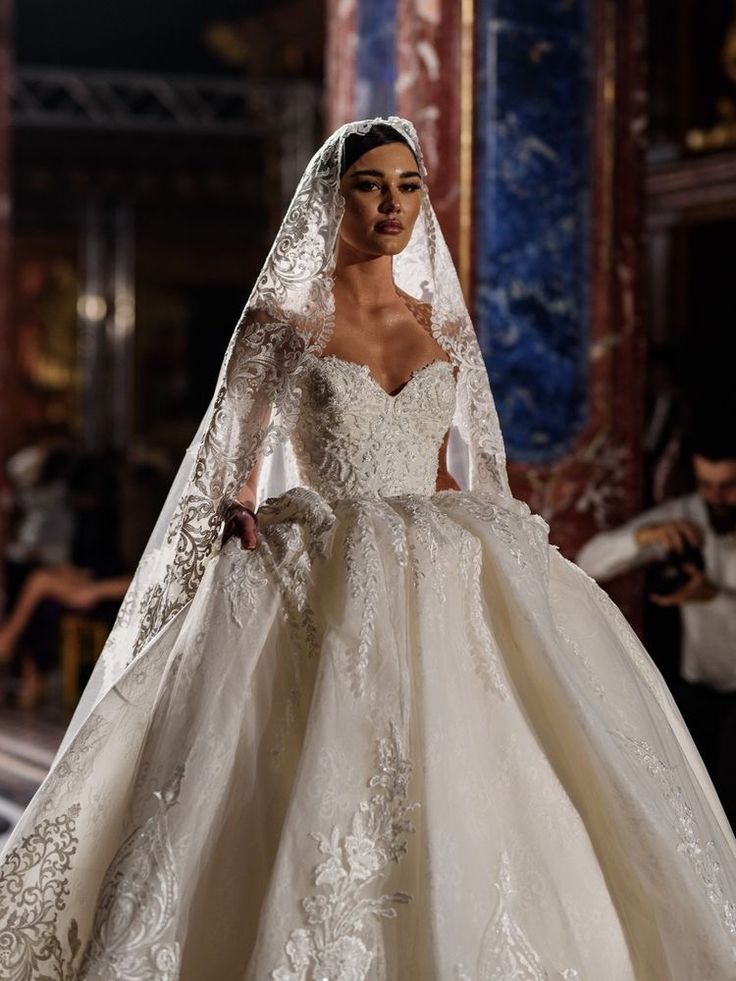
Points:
x=391, y=244
x=377, y=245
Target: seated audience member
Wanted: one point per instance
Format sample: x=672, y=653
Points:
x=692, y=539
x=40, y=517
x=97, y=578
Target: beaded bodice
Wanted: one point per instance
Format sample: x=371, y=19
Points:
x=353, y=438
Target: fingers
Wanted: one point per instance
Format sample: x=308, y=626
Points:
x=248, y=532
x=691, y=533
x=676, y=536
x=243, y=526
x=673, y=538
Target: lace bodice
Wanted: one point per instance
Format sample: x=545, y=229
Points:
x=353, y=438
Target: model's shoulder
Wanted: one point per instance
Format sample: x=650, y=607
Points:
x=420, y=309
x=692, y=504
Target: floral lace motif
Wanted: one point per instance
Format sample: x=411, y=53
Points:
x=524, y=534
x=582, y=658
x=33, y=891
x=425, y=542
x=353, y=439
x=74, y=768
x=630, y=642
x=241, y=585
x=363, y=570
x=137, y=904
x=702, y=856
x=295, y=530
x=332, y=945
x=481, y=643
x=507, y=953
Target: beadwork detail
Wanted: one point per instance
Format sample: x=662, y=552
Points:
x=352, y=438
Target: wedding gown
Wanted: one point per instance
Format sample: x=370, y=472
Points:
x=402, y=739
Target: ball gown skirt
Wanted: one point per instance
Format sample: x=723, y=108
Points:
x=402, y=740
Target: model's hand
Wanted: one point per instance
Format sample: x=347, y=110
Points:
x=698, y=589
x=242, y=525
x=674, y=536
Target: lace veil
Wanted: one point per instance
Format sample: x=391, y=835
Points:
x=289, y=314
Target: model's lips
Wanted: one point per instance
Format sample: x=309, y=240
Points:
x=390, y=227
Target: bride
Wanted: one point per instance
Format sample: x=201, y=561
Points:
x=376, y=727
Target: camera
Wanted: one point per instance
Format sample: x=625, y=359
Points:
x=670, y=575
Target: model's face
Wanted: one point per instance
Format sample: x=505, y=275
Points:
x=382, y=192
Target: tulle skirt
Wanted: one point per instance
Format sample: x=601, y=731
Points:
x=402, y=739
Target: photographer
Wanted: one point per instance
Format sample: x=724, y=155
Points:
x=691, y=542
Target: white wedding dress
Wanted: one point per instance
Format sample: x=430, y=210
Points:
x=404, y=739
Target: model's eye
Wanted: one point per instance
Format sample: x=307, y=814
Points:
x=411, y=187
x=366, y=185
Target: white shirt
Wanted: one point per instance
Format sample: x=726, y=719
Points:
x=45, y=530
x=708, y=628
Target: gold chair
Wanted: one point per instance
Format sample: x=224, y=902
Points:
x=82, y=640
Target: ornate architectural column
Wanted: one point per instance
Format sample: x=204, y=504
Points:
x=558, y=286
x=533, y=114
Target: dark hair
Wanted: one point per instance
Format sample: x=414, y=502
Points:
x=356, y=144
x=714, y=446
x=714, y=436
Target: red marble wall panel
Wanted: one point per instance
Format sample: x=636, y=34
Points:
x=429, y=92
x=341, y=50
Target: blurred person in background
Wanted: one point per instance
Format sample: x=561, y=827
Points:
x=111, y=519
x=41, y=520
x=689, y=543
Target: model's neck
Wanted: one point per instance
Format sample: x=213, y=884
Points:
x=363, y=280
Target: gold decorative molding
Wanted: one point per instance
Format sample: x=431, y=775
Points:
x=722, y=135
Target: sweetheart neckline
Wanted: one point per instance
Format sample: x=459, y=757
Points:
x=372, y=378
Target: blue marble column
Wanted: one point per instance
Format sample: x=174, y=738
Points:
x=376, y=59
x=532, y=182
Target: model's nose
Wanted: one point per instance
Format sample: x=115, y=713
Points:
x=390, y=203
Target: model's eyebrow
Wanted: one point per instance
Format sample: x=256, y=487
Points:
x=380, y=173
